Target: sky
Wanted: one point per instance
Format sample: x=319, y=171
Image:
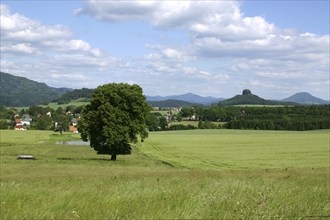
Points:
x=210, y=48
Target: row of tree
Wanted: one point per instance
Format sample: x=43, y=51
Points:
x=280, y=124
x=265, y=118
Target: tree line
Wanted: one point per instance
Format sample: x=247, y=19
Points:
x=265, y=118
x=298, y=118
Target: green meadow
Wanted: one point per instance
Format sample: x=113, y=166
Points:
x=54, y=105
x=197, y=174
x=240, y=149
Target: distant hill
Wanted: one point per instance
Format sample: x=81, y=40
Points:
x=170, y=103
x=189, y=97
x=20, y=91
x=305, y=98
x=247, y=98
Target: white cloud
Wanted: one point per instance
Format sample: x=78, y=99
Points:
x=113, y=11
x=217, y=28
x=20, y=48
x=16, y=27
x=202, y=19
x=260, y=53
x=32, y=49
x=222, y=49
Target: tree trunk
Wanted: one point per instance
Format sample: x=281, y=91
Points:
x=113, y=157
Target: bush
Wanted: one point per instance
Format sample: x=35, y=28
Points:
x=181, y=127
x=207, y=125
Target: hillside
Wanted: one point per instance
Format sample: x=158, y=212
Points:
x=20, y=91
x=247, y=98
x=305, y=98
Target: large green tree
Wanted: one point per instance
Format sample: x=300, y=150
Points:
x=115, y=117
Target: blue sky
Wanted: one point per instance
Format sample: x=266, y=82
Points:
x=216, y=48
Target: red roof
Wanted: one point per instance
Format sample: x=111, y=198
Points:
x=73, y=129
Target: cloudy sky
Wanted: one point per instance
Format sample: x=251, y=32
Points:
x=216, y=48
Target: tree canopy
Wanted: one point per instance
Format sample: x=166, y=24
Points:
x=115, y=117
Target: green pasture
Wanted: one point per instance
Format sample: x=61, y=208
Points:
x=164, y=179
x=240, y=149
x=55, y=106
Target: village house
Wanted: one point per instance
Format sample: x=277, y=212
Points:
x=73, y=129
x=19, y=126
x=23, y=122
x=73, y=125
x=169, y=117
x=26, y=119
x=74, y=122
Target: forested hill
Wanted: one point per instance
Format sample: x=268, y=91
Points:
x=19, y=91
x=247, y=98
x=75, y=94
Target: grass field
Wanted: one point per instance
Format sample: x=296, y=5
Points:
x=240, y=149
x=55, y=106
x=203, y=174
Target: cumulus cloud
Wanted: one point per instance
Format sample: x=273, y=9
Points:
x=217, y=28
x=117, y=10
x=19, y=48
x=15, y=27
x=223, y=49
x=261, y=54
x=162, y=14
x=49, y=53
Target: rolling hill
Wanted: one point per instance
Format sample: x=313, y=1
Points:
x=247, y=98
x=19, y=91
x=305, y=98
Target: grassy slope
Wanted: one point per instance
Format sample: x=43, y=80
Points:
x=72, y=182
